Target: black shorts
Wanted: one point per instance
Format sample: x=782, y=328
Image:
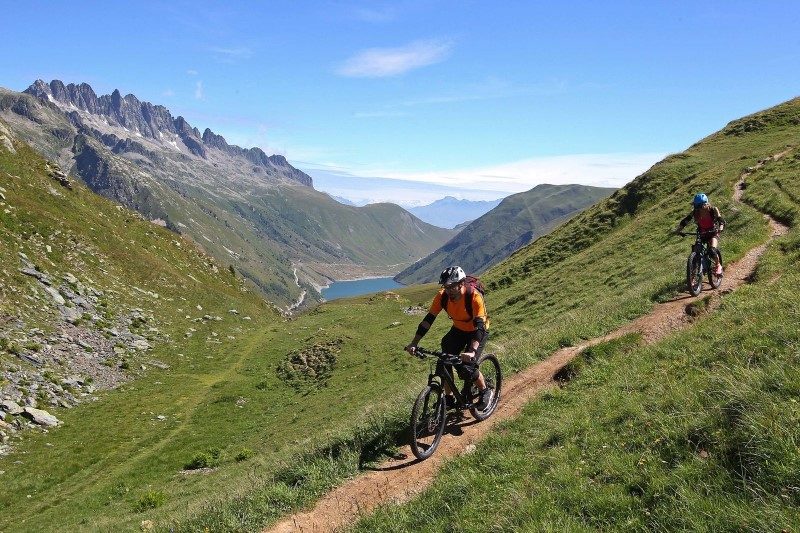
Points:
x=456, y=341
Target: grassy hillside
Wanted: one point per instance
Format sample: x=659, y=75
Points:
x=607, y=265
x=284, y=410
x=222, y=403
x=697, y=432
x=517, y=221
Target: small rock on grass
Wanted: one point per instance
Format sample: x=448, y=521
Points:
x=41, y=417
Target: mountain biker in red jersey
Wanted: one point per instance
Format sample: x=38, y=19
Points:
x=709, y=222
x=468, y=334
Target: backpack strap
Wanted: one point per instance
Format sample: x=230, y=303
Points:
x=468, y=297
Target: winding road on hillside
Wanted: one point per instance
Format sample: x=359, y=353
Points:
x=398, y=480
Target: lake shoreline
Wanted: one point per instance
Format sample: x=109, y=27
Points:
x=359, y=286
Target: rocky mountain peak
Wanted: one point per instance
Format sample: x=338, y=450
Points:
x=153, y=122
x=213, y=140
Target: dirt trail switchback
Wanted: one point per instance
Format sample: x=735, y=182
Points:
x=398, y=480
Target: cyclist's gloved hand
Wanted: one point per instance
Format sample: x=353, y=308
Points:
x=468, y=357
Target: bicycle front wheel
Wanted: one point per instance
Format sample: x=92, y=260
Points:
x=694, y=274
x=428, y=419
x=489, y=366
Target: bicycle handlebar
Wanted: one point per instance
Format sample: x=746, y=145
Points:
x=698, y=232
x=446, y=357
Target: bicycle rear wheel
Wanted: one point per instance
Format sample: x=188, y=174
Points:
x=428, y=419
x=489, y=366
x=694, y=274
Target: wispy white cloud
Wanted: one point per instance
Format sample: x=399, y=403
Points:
x=603, y=170
x=191, y=72
x=198, y=91
x=376, y=14
x=168, y=93
x=385, y=62
x=485, y=183
x=489, y=89
x=232, y=54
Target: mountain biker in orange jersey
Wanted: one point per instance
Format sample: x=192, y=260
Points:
x=709, y=222
x=468, y=334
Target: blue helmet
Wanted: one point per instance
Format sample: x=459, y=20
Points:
x=700, y=199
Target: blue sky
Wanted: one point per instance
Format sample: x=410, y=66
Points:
x=486, y=97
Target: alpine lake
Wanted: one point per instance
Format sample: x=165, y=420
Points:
x=357, y=287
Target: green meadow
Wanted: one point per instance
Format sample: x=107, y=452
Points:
x=255, y=418
x=697, y=432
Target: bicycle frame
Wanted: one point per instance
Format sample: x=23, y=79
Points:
x=700, y=247
x=446, y=376
x=700, y=261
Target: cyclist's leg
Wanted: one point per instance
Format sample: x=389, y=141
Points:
x=470, y=371
x=716, y=253
x=453, y=343
x=479, y=380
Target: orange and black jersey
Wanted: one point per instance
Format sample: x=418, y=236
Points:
x=457, y=310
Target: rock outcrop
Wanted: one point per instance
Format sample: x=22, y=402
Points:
x=153, y=122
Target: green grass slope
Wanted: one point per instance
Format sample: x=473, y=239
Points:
x=235, y=400
x=516, y=222
x=697, y=432
x=283, y=411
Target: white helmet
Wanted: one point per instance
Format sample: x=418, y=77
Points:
x=451, y=275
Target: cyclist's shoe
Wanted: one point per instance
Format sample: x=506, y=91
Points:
x=718, y=271
x=450, y=402
x=486, y=396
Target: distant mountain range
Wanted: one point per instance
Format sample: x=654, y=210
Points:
x=252, y=211
x=517, y=221
x=449, y=212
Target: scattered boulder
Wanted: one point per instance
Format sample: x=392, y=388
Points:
x=33, y=272
x=41, y=417
x=11, y=407
x=140, y=344
x=55, y=295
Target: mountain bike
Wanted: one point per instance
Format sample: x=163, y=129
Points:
x=700, y=262
x=429, y=414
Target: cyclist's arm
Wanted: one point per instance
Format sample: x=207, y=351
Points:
x=427, y=322
x=685, y=220
x=423, y=328
x=718, y=218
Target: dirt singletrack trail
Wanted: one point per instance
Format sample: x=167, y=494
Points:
x=398, y=480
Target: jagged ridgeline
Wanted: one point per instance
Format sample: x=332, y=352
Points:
x=251, y=211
